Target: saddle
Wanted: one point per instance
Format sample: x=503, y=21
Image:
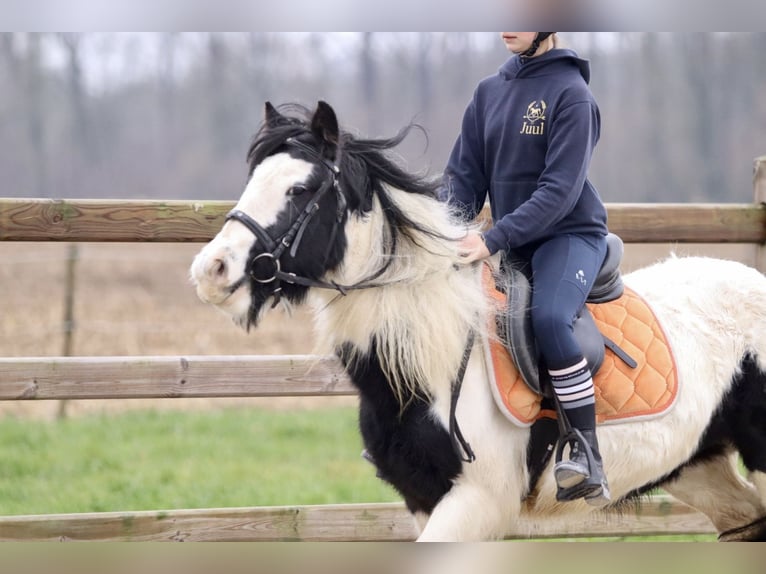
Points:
x=514, y=326
x=637, y=379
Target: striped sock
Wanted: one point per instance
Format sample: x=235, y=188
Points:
x=574, y=389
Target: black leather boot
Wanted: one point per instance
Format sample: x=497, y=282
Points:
x=582, y=475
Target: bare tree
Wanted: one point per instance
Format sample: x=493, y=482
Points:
x=368, y=76
x=222, y=118
x=655, y=150
x=72, y=43
x=9, y=52
x=261, y=80
x=700, y=66
x=166, y=83
x=33, y=88
x=424, y=73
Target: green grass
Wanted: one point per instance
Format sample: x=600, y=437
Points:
x=155, y=460
x=148, y=460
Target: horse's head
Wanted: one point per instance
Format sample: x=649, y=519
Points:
x=322, y=209
x=286, y=231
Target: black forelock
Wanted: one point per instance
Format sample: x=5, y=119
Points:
x=269, y=139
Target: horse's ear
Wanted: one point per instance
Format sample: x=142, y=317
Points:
x=272, y=117
x=324, y=124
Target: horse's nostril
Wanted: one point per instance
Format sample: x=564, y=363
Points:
x=219, y=267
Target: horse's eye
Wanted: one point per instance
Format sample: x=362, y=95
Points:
x=297, y=190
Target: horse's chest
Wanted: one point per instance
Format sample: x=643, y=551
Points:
x=411, y=450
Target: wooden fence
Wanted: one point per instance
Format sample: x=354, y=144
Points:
x=43, y=378
x=185, y=221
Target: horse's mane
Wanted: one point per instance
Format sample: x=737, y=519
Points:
x=367, y=166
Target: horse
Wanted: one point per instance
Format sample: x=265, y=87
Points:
x=331, y=220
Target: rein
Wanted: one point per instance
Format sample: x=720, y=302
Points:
x=461, y=446
x=293, y=236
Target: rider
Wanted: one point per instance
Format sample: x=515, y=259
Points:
x=527, y=138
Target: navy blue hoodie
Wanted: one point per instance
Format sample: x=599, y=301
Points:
x=527, y=139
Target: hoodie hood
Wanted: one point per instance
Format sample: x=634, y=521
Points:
x=552, y=62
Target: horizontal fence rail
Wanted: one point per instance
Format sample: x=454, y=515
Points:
x=32, y=378
x=659, y=515
x=190, y=221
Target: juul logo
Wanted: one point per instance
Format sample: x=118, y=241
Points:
x=534, y=119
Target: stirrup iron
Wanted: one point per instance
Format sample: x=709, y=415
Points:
x=591, y=484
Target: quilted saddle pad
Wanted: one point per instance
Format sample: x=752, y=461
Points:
x=622, y=393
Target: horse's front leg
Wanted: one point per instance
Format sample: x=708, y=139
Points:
x=470, y=512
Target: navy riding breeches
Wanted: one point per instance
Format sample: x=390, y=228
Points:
x=563, y=271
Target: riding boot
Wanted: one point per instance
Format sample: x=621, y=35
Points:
x=582, y=475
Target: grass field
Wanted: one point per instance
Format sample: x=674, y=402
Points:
x=152, y=460
x=149, y=460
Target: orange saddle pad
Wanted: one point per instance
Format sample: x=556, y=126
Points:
x=622, y=393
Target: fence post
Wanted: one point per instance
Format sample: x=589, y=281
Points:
x=73, y=253
x=759, y=196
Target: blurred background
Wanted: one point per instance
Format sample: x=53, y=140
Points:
x=170, y=115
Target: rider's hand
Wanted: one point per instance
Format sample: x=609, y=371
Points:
x=472, y=248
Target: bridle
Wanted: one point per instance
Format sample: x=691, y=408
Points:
x=291, y=239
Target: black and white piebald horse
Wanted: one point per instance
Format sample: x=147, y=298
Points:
x=328, y=219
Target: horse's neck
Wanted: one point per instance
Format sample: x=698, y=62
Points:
x=417, y=323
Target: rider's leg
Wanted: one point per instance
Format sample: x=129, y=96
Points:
x=563, y=272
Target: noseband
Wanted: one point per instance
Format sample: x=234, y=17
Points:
x=291, y=239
